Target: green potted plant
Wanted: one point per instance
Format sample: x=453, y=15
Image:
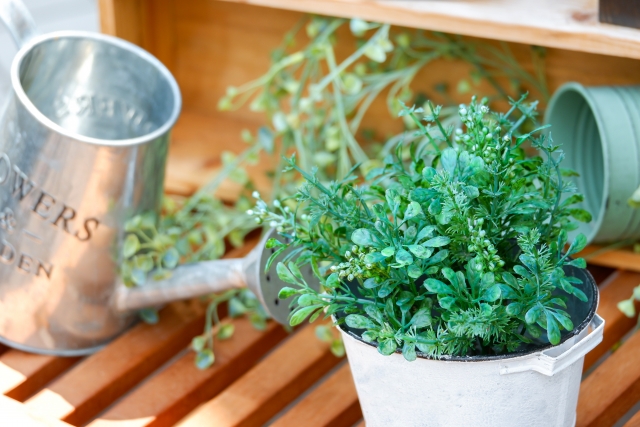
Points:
x=444, y=256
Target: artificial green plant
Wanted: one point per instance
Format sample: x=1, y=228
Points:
x=314, y=102
x=458, y=252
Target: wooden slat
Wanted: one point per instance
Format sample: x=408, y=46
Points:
x=566, y=24
x=615, y=289
x=198, y=142
x=334, y=403
x=634, y=421
x=15, y=414
x=360, y=424
x=99, y=380
x=623, y=258
x=176, y=391
x=96, y=382
x=612, y=389
x=23, y=374
x=267, y=388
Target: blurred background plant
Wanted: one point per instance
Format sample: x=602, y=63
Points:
x=314, y=102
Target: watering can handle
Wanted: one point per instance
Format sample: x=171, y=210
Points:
x=18, y=21
x=551, y=365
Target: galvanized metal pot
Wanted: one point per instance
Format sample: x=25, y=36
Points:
x=598, y=128
x=532, y=388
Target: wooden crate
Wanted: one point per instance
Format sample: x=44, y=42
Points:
x=147, y=376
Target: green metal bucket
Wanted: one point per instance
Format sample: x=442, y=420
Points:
x=599, y=129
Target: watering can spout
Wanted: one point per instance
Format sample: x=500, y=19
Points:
x=18, y=21
x=202, y=278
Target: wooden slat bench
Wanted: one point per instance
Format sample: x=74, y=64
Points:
x=147, y=376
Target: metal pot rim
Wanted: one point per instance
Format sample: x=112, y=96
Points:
x=114, y=41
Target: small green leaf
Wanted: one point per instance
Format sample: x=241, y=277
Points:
x=579, y=294
x=198, y=343
x=285, y=275
x=578, y=244
x=362, y=237
x=138, y=276
x=358, y=321
x=413, y=210
x=302, y=313
x=563, y=319
x=204, y=359
x=170, y=258
x=287, y=292
x=553, y=331
x=273, y=243
x=374, y=312
x=578, y=262
x=581, y=215
x=387, y=347
x=333, y=281
x=306, y=300
x=449, y=160
x=374, y=257
x=532, y=315
x=337, y=347
x=447, y=302
x=131, y=246
x=369, y=336
x=422, y=318
x=388, y=251
x=226, y=331
x=370, y=283
x=437, y=242
x=514, y=308
x=414, y=271
x=236, y=307
x=436, y=286
x=491, y=294
x=403, y=257
x=149, y=316
x=425, y=232
x=627, y=307
x=323, y=332
x=409, y=351
x=420, y=251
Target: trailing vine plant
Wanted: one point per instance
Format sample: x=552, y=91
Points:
x=459, y=252
x=314, y=105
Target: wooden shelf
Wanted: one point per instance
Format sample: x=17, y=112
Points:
x=565, y=24
x=622, y=258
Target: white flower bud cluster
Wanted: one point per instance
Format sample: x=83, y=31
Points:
x=482, y=246
x=263, y=215
x=355, y=266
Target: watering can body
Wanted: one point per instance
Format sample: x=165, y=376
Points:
x=83, y=146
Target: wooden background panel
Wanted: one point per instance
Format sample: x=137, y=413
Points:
x=210, y=45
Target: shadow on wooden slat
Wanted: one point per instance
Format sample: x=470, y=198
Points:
x=333, y=403
x=270, y=386
x=617, y=287
x=181, y=387
x=23, y=374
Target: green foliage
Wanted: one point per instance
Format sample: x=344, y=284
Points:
x=314, y=105
x=457, y=251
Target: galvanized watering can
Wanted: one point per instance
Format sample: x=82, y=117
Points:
x=83, y=146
